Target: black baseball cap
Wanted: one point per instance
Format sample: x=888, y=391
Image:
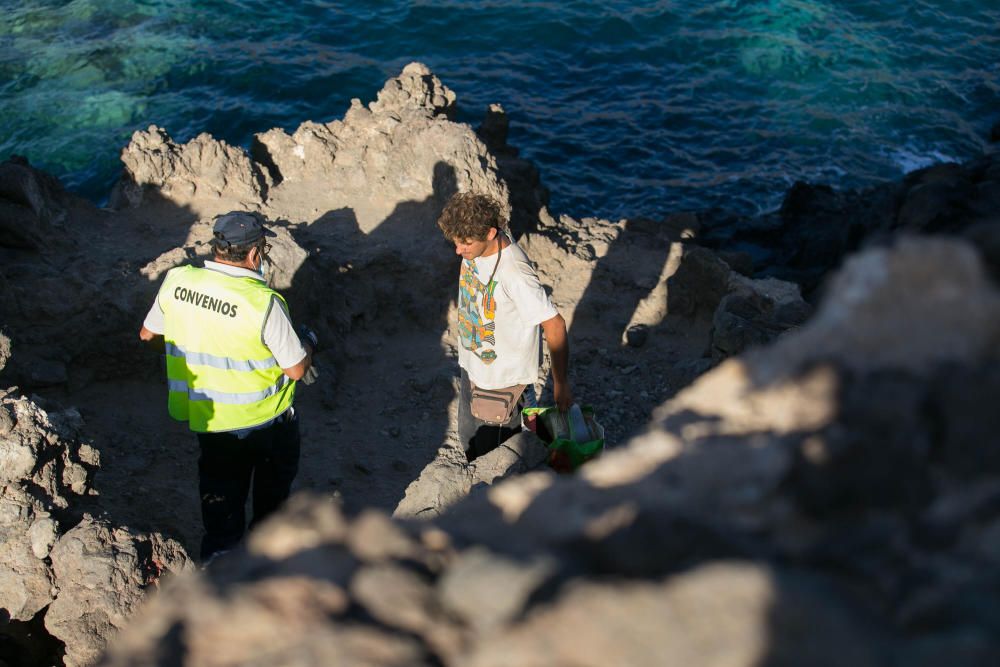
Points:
x=239, y=228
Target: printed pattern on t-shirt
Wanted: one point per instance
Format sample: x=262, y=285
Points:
x=477, y=309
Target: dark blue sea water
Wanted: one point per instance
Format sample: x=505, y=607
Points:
x=627, y=107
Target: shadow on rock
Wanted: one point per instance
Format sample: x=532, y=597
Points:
x=379, y=301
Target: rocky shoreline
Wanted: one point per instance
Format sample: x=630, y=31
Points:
x=791, y=480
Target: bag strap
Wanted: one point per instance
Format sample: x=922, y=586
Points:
x=499, y=255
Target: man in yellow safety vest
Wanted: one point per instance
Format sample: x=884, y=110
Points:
x=233, y=359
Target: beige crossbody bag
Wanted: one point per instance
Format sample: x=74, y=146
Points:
x=495, y=406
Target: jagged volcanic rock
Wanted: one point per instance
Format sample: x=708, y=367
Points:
x=204, y=173
x=83, y=576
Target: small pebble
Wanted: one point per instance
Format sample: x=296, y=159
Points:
x=637, y=335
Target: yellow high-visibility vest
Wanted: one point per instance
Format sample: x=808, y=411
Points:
x=220, y=375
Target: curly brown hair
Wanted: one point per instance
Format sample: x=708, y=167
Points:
x=469, y=216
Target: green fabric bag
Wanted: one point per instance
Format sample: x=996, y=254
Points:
x=565, y=454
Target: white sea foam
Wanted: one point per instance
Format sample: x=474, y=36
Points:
x=909, y=158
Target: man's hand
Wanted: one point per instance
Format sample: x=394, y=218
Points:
x=310, y=376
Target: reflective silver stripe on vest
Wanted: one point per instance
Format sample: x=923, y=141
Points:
x=227, y=397
x=225, y=363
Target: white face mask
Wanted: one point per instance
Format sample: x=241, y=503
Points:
x=263, y=267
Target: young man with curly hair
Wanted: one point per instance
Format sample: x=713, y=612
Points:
x=502, y=308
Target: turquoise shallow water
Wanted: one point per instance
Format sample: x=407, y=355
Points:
x=628, y=108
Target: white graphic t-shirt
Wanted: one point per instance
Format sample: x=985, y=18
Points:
x=499, y=336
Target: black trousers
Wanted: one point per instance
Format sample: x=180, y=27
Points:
x=476, y=436
x=267, y=458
